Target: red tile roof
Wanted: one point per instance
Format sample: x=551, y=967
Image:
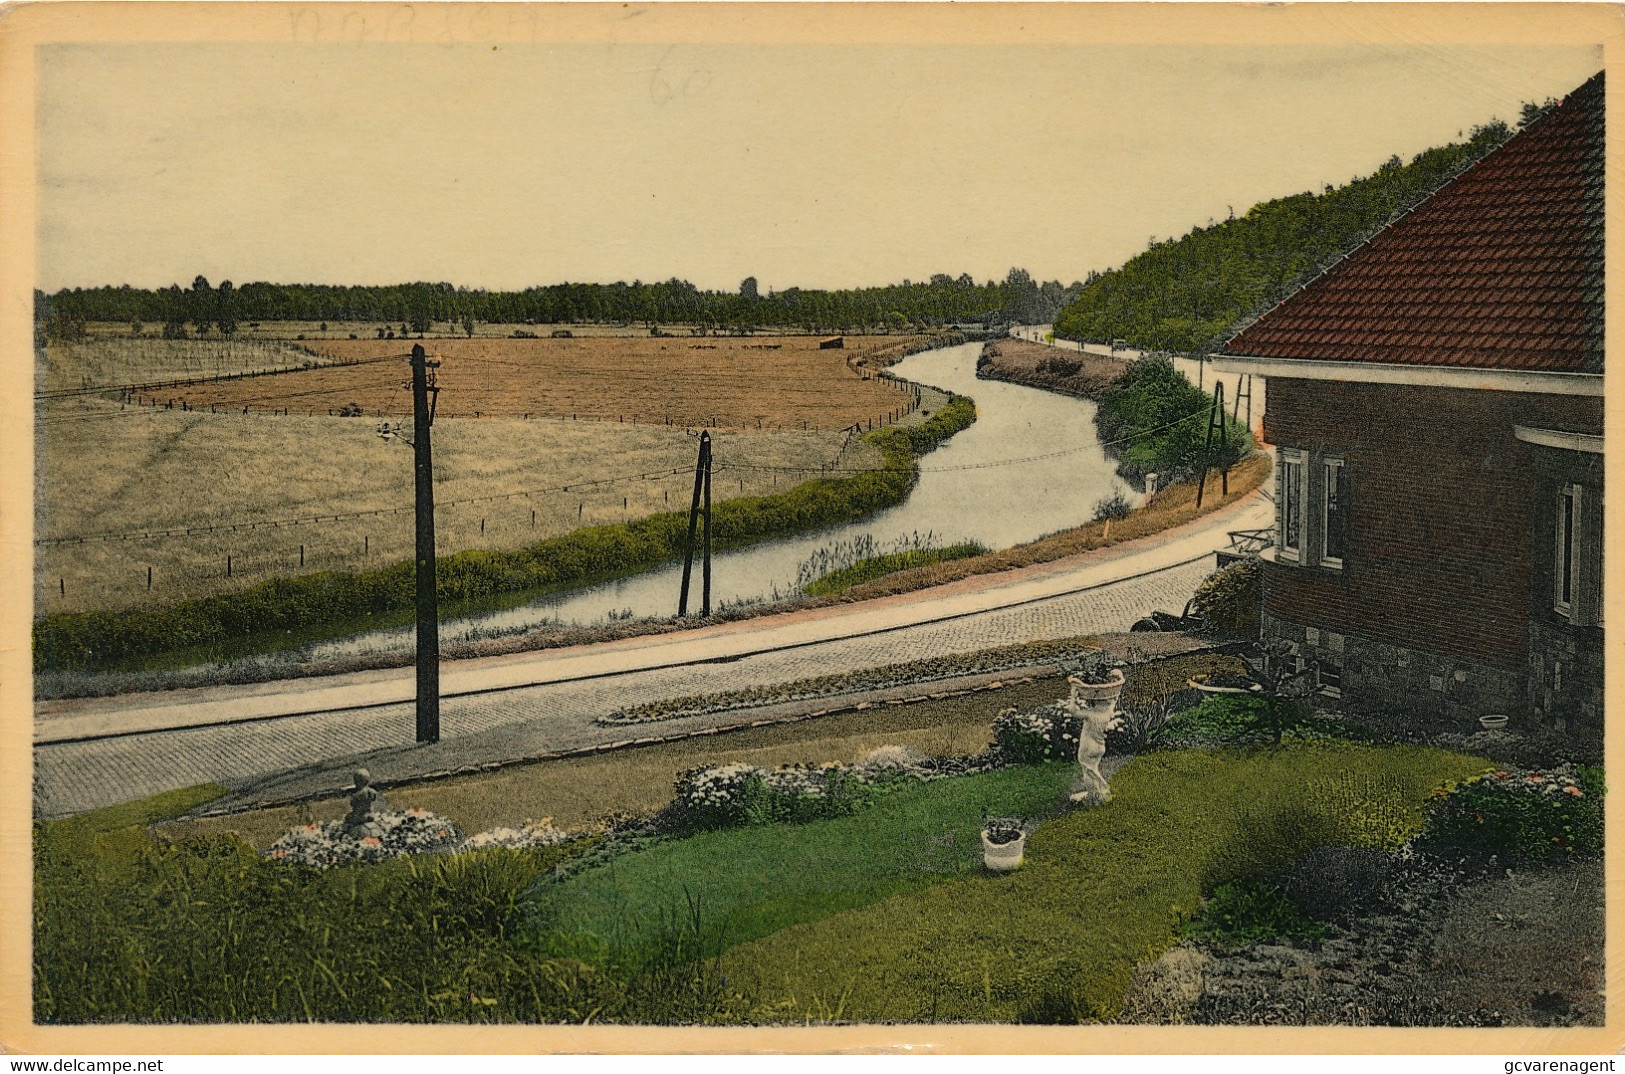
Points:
x=1501, y=268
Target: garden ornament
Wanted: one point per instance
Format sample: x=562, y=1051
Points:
x=366, y=802
x=1095, y=706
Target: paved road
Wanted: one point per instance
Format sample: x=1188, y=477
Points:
x=95, y=753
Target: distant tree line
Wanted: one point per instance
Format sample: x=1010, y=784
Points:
x=203, y=309
x=1190, y=294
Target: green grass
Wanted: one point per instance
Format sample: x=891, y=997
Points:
x=882, y=915
x=1245, y=719
x=731, y=886
x=867, y=570
x=1102, y=889
x=1248, y=912
x=130, y=930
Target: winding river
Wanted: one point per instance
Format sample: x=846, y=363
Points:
x=1030, y=465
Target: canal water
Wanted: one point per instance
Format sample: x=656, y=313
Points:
x=1029, y=466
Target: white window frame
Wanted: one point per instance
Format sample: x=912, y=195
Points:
x=1567, y=543
x=1327, y=468
x=1299, y=458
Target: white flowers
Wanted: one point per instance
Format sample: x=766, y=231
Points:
x=391, y=833
x=536, y=833
x=388, y=834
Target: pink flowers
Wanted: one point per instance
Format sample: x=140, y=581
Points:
x=372, y=841
x=1577, y=792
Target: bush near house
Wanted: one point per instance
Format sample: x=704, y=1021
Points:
x=1230, y=600
x=1153, y=420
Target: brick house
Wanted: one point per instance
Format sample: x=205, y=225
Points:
x=1436, y=403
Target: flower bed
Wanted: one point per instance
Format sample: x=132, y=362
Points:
x=393, y=832
x=1002, y=658
x=1524, y=814
x=726, y=796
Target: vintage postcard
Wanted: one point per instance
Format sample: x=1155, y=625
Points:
x=736, y=527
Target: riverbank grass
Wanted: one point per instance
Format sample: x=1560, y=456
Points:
x=349, y=600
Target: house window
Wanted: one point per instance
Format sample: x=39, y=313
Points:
x=1567, y=548
x=1333, y=513
x=1293, y=465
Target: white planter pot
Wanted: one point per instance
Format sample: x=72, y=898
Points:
x=1492, y=723
x=1003, y=857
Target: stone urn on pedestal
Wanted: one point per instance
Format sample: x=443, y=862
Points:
x=1097, y=683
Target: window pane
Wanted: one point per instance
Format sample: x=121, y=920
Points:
x=1565, y=550
x=1291, y=505
x=1335, y=511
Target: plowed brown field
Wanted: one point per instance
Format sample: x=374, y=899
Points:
x=731, y=383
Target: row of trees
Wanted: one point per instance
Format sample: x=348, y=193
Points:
x=204, y=309
x=1190, y=294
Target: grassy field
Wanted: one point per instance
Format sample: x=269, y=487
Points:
x=104, y=467
x=781, y=382
x=121, y=359
x=140, y=472
x=314, y=330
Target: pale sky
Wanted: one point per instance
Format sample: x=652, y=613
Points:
x=803, y=165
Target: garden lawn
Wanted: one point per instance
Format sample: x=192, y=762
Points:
x=1103, y=888
x=722, y=888
x=130, y=930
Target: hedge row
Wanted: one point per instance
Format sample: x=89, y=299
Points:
x=88, y=639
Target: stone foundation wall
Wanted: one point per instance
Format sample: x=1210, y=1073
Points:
x=1565, y=676
x=1377, y=675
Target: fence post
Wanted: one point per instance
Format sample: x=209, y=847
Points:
x=228, y=566
x=149, y=579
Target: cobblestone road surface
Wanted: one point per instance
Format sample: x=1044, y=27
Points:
x=75, y=776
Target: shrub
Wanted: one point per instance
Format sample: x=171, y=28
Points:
x=1113, y=506
x=1140, y=725
x=1330, y=882
x=1229, y=600
x=1524, y=815
x=1153, y=420
x=1037, y=735
x=1249, y=912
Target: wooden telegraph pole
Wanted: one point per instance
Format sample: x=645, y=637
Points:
x=428, y=628
x=1215, y=427
x=702, y=486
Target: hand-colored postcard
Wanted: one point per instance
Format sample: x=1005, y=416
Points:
x=740, y=527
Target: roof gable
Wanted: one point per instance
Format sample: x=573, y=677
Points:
x=1501, y=268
